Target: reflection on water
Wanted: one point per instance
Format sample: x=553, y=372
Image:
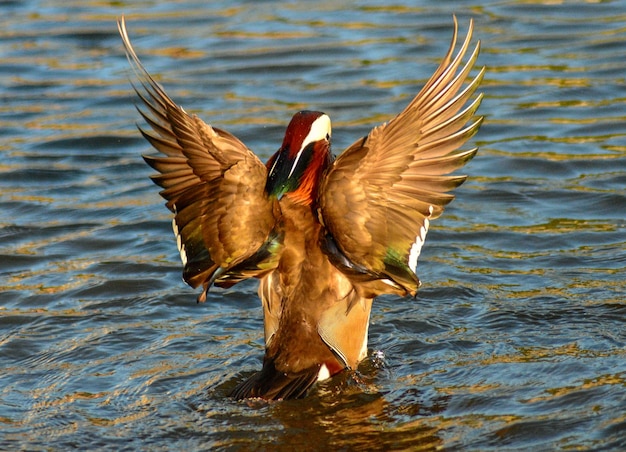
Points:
x=517, y=338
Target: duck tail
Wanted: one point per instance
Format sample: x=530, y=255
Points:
x=271, y=384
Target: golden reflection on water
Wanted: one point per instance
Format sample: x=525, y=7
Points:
x=138, y=386
x=601, y=380
x=360, y=422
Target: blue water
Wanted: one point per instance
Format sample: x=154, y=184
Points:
x=516, y=340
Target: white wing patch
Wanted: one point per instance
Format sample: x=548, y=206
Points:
x=416, y=248
x=179, y=242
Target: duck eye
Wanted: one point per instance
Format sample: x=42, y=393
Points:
x=327, y=137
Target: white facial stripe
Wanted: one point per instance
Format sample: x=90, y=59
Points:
x=319, y=130
x=416, y=248
x=273, y=165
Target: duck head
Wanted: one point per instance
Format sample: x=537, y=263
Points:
x=297, y=167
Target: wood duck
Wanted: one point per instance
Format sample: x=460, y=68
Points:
x=324, y=236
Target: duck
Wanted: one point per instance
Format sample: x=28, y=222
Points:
x=324, y=236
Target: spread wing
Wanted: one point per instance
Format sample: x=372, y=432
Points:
x=377, y=200
x=223, y=220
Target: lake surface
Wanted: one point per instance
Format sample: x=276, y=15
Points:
x=516, y=340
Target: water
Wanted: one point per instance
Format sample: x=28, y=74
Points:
x=516, y=340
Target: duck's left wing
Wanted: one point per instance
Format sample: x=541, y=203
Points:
x=380, y=194
x=223, y=219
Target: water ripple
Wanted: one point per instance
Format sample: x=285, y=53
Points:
x=516, y=340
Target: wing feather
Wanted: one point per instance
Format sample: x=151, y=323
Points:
x=378, y=198
x=211, y=181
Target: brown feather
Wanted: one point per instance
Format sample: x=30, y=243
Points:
x=395, y=178
x=212, y=182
